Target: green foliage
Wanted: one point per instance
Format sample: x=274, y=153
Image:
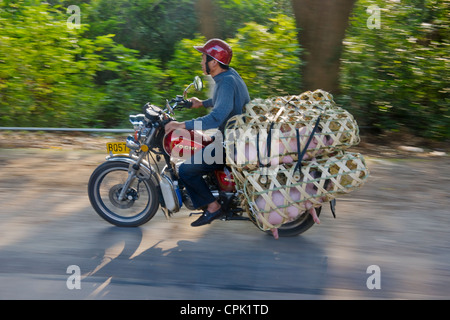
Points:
x=96, y=81
x=51, y=75
x=397, y=76
x=46, y=72
x=128, y=82
x=127, y=53
x=234, y=15
x=153, y=27
x=184, y=66
x=268, y=59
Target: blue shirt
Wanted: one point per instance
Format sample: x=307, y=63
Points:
x=229, y=98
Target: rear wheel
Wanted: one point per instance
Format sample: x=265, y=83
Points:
x=298, y=226
x=141, y=197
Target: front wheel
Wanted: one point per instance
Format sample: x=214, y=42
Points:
x=139, y=204
x=298, y=226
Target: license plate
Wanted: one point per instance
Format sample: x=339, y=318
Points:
x=117, y=147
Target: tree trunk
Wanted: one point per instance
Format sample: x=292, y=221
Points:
x=322, y=25
x=205, y=14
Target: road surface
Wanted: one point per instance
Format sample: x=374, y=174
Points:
x=390, y=241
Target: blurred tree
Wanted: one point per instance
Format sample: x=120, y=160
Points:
x=268, y=59
x=205, y=14
x=182, y=68
x=234, y=15
x=46, y=69
x=396, y=77
x=393, y=71
x=131, y=82
x=322, y=25
x=152, y=27
x=51, y=75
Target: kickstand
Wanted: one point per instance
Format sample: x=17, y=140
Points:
x=333, y=207
x=233, y=213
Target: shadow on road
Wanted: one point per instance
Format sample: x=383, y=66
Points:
x=205, y=264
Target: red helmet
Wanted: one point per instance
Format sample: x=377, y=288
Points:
x=218, y=50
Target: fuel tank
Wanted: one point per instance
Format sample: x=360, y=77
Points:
x=182, y=144
x=225, y=180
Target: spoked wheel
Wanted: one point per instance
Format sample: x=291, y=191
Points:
x=293, y=228
x=139, y=204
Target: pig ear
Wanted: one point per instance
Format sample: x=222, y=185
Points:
x=329, y=140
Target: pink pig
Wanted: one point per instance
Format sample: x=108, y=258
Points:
x=328, y=185
x=250, y=152
x=274, y=217
x=292, y=138
x=295, y=195
x=304, y=134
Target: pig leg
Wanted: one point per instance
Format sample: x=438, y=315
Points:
x=275, y=233
x=313, y=213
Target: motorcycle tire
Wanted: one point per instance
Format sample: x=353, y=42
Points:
x=298, y=226
x=141, y=201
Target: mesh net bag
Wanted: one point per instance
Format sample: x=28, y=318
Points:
x=275, y=130
x=288, y=156
x=278, y=198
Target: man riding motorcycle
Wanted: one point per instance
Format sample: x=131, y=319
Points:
x=229, y=97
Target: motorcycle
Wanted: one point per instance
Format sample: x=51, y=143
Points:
x=128, y=188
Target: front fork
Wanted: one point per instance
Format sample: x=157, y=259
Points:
x=134, y=167
x=131, y=176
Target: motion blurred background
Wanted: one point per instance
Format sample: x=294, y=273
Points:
x=91, y=63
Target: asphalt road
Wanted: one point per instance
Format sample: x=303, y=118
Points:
x=390, y=241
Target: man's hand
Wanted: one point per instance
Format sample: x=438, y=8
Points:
x=174, y=125
x=196, y=102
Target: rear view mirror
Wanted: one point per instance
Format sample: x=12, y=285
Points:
x=198, y=83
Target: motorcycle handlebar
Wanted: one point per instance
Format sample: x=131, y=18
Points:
x=164, y=122
x=181, y=102
x=188, y=104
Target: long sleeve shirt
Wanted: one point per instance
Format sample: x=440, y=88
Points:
x=229, y=98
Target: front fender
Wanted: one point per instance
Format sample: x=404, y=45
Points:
x=145, y=170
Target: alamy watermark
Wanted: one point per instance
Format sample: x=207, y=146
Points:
x=74, y=21
x=74, y=280
x=374, y=280
x=250, y=146
x=374, y=20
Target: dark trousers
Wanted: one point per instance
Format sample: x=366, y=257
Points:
x=191, y=175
